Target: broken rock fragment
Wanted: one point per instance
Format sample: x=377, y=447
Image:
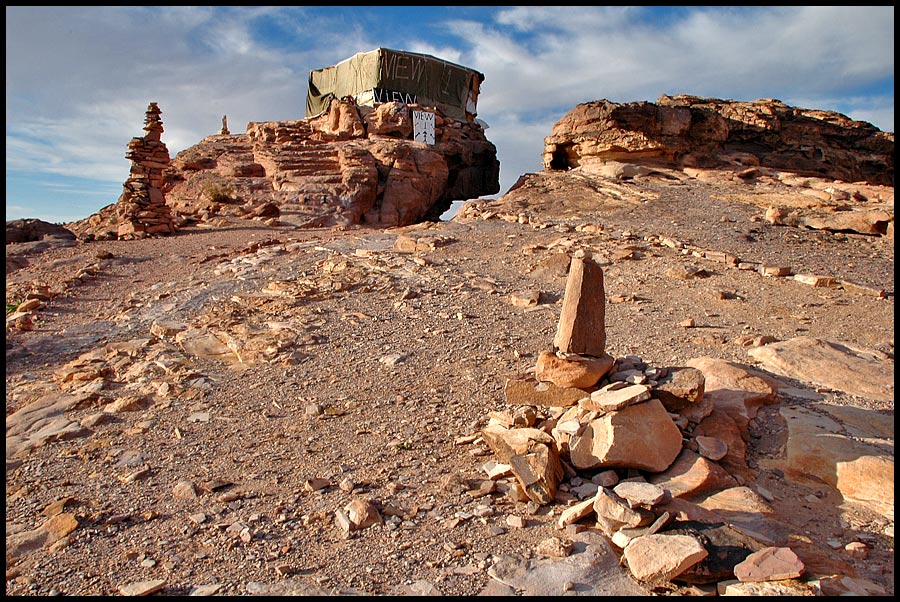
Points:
x=770, y=564
x=528, y=391
x=539, y=472
x=659, y=557
x=615, y=396
x=641, y=436
x=506, y=443
x=618, y=512
x=680, y=387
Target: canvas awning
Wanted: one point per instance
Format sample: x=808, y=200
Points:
x=383, y=75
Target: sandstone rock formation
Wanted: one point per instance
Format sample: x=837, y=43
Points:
x=31, y=230
x=688, y=131
x=352, y=165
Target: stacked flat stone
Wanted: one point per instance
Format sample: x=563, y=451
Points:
x=142, y=210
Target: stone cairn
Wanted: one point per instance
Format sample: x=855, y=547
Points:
x=141, y=210
x=622, y=434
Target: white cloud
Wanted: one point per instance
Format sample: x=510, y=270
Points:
x=568, y=19
x=743, y=53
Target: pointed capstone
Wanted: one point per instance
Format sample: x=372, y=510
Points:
x=582, y=327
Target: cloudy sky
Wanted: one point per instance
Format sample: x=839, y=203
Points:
x=78, y=80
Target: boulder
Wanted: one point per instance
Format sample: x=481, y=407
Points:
x=661, y=557
x=640, y=436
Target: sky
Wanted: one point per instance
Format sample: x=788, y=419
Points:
x=79, y=79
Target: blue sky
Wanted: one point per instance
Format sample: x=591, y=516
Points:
x=78, y=80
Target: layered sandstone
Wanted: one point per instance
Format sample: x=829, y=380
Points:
x=352, y=165
x=689, y=131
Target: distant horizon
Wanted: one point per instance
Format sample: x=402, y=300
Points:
x=73, y=106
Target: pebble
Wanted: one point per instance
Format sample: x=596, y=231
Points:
x=516, y=522
x=857, y=549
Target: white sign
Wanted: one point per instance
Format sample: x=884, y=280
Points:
x=423, y=127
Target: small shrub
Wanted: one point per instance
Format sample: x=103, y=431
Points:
x=218, y=193
x=11, y=307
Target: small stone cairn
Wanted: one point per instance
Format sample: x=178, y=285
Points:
x=141, y=210
x=613, y=441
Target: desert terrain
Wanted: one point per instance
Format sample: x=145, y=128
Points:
x=198, y=413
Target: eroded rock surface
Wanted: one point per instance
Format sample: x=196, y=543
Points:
x=689, y=131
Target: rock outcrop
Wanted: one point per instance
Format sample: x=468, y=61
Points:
x=688, y=131
x=352, y=165
x=32, y=230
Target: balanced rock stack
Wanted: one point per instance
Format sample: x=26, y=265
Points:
x=141, y=209
x=633, y=448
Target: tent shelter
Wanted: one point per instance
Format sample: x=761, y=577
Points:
x=384, y=75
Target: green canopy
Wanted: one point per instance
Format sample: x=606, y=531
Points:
x=384, y=75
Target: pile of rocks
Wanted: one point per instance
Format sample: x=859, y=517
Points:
x=640, y=451
x=141, y=209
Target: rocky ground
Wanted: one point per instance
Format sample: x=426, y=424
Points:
x=221, y=394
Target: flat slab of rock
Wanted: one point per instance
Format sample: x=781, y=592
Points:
x=529, y=391
x=659, y=557
x=788, y=587
x=769, y=564
x=201, y=343
x=615, y=397
x=861, y=423
x=572, y=370
x=142, y=588
x=817, y=447
x=52, y=530
x=836, y=365
x=747, y=511
x=40, y=422
x=645, y=495
x=862, y=221
x=692, y=475
x=592, y=569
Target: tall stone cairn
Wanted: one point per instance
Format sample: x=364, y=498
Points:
x=141, y=210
